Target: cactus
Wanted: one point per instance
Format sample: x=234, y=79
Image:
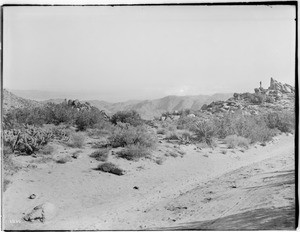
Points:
x=27, y=140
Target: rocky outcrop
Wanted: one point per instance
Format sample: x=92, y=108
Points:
x=78, y=105
x=283, y=88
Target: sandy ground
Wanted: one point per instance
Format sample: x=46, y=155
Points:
x=204, y=189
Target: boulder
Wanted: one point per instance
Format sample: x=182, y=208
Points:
x=42, y=212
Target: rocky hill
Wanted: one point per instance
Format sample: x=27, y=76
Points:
x=277, y=95
x=11, y=101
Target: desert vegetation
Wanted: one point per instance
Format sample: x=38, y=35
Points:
x=76, y=137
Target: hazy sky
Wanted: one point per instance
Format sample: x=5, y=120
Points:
x=134, y=52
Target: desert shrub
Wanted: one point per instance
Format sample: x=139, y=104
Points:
x=131, y=117
x=76, y=140
x=128, y=135
x=262, y=134
x=186, y=122
x=134, y=152
x=111, y=168
x=88, y=118
x=253, y=127
x=100, y=155
x=258, y=98
x=60, y=132
x=63, y=160
x=173, y=136
x=204, y=131
x=47, y=150
x=101, y=143
x=161, y=131
x=7, y=150
x=101, y=129
x=60, y=113
x=270, y=99
x=283, y=121
x=234, y=141
x=186, y=135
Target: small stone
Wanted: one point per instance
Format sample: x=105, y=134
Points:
x=32, y=196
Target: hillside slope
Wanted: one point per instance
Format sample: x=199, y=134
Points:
x=11, y=101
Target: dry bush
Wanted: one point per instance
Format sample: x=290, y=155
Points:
x=111, y=168
x=186, y=136
x=283, y=121
x=173, y=136
x=101, y=143
x=63, y=160
x=252, y=127
x=161, y=131
x=125, y=135
x=77, y=140
x=100, y=155
x=134, y=152
x=234, y=141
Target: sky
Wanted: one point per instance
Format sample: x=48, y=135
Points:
x=146, y=52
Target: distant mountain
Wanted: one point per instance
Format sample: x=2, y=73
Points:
x=41, y=95
x=11, y=101
x=149, y=109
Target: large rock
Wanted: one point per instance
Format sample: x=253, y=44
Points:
x=42, y=212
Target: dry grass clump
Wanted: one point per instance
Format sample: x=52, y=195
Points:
x=77, y=140
x=186, y=135
x=161, y=131
x=100, y=155
x=134, y=152
x=111, y=168
x=47, y=150
x=234, y=141
x=173, y=136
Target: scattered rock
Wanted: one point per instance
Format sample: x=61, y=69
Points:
x=263, y=144
x=135, y=187
x=32, y=196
